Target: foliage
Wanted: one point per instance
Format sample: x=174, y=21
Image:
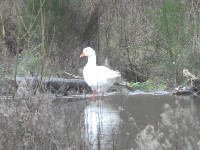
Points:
x=28, y=61
x=171, y=24
x=1, y=69
x=175, y=33
x=36, y=123
x=134, y=40
x=148, y=86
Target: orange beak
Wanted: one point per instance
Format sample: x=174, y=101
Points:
x=82, y=54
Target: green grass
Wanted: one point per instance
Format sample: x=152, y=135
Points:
x=149, y=85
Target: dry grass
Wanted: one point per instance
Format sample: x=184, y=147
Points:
x=38, y=123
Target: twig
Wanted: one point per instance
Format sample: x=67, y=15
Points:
x=73, y=75
x=137, y=73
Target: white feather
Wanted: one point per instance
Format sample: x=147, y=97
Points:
x=99, y=78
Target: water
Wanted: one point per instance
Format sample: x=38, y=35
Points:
x=132, y=121
x=122, y=122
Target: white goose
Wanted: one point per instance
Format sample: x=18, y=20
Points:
x=99, y=78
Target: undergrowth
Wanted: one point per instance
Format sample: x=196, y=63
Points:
x=149, y=85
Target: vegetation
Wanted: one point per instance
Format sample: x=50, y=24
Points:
x=36, y=124
x=175, y=34
x=149, y=85
x=141, y=40
x=149, y=42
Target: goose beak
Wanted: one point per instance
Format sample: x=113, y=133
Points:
x=82, y=54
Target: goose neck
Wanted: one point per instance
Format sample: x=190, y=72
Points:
x=92, y=60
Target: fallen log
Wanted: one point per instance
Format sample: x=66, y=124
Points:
x=30, y=85
x=182, y=91
x=27, y=86
x=192, y=85
x=66, y=86
x=53, y=85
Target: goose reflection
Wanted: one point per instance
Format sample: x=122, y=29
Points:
x=101, y=124
x=189, y=104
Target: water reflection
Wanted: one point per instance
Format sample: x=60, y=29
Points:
x=143, y=121
x=178, y=128
x=189, y=104
x=101, y=124
x=139, y=121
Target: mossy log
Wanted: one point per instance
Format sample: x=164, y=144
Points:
x=66, y=86
x=56, y=85
x=29, y=85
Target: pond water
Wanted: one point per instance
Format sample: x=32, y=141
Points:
x=117, y=121
x=146, y=121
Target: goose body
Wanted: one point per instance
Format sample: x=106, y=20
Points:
x=99, y=78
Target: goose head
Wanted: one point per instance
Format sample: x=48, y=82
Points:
x=88, y=51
